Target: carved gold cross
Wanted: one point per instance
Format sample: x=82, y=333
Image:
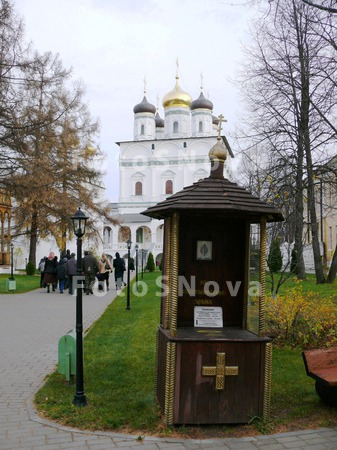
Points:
x=220, y=371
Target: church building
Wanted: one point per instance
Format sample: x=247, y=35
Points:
x=165, y=155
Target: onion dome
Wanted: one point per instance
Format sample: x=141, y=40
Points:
x=144, y=107
x=159, y=121
x=201, y=103
x=215, y=120
x=177, y=97
x=218, y=152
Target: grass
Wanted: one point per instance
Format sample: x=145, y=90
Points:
x=24, y=283
x=309, y=284
x=119, y=372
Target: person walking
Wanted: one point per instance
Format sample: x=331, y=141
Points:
x=90, y=268
x=132, y=264
x=42, y=265
x=71, y=271
x=61, y=274
x=119, y=266
x=105, y=268
x=50, y=277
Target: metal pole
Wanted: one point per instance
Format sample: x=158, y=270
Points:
x=142, y=263
x=12, y=277
x=128, y=281
x=79, y=398
x=136, y=265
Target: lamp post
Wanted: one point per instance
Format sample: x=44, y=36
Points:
x=143, y=252
x=136, y=247
x=128, y=242
x=79, y=223
x=12, y=260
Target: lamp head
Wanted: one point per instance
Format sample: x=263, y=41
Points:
x=128, y=243
x=79, y=220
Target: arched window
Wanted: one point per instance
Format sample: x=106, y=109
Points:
x=200, y=127
x=142, y=129
x=139, y=235
x=175, y=127
x=107, y=235
x=169, y=187
x=139, y=188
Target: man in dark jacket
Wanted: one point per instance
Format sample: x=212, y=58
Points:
x=90, y=268
x=119, y=266
x=61, y=274
x=71, y=271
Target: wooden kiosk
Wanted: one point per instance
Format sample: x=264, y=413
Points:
x=211, y=369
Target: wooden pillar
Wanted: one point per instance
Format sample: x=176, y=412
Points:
x=174, y=274
x=267, y=381
x=167, y=295
x=263, y=251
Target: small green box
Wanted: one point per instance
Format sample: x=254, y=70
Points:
x=10, y=285
x=67, y=354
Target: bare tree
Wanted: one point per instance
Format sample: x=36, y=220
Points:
x=325, y=5
x=289, y=84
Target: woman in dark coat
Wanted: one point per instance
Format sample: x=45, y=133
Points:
x=50, y=277
x=119, y=266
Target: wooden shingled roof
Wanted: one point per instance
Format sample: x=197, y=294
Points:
x=218, y=196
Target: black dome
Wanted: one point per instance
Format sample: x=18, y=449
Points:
x=159, y=121
x=201, y=103
x=144, y=107
x=215, y=120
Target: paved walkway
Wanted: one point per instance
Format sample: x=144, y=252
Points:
x=30, y=326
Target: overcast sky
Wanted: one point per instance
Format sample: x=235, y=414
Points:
x=113, y=44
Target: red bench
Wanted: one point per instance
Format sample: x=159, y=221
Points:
x=321, y=365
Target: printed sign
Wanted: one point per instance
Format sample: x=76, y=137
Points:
x=208, y=316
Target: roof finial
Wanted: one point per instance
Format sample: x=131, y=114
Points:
x=157, y=103
x=221, y=119
x=145, y=86
x=201, y=82
x=177, y=64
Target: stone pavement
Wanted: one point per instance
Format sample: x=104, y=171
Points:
x=30, y=327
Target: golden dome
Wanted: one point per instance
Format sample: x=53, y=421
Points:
x=218, y=151
x=177, y=97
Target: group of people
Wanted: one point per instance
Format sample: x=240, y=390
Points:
x=61, y=272
x=56, y=272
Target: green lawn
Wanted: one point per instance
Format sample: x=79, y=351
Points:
x=24, y=283
x=119, y=373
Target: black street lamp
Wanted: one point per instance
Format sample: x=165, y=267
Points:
x=143, y=254
x=79, y=223
x=128, y=242
x=136, y=247
x=12, y=260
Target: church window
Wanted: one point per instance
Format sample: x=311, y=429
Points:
x=139, y=235
x=107, y=235
x=142, y=129
x=184, y=145
x=139, y=188
x=200, y=127
x=169, y=187
x=175, y=127
x=152, y=146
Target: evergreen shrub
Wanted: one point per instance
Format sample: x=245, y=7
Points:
x=150, y=263
x=275, y=256
x=30, y=268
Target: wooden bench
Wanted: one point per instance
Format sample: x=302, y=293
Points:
x=321, y=365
